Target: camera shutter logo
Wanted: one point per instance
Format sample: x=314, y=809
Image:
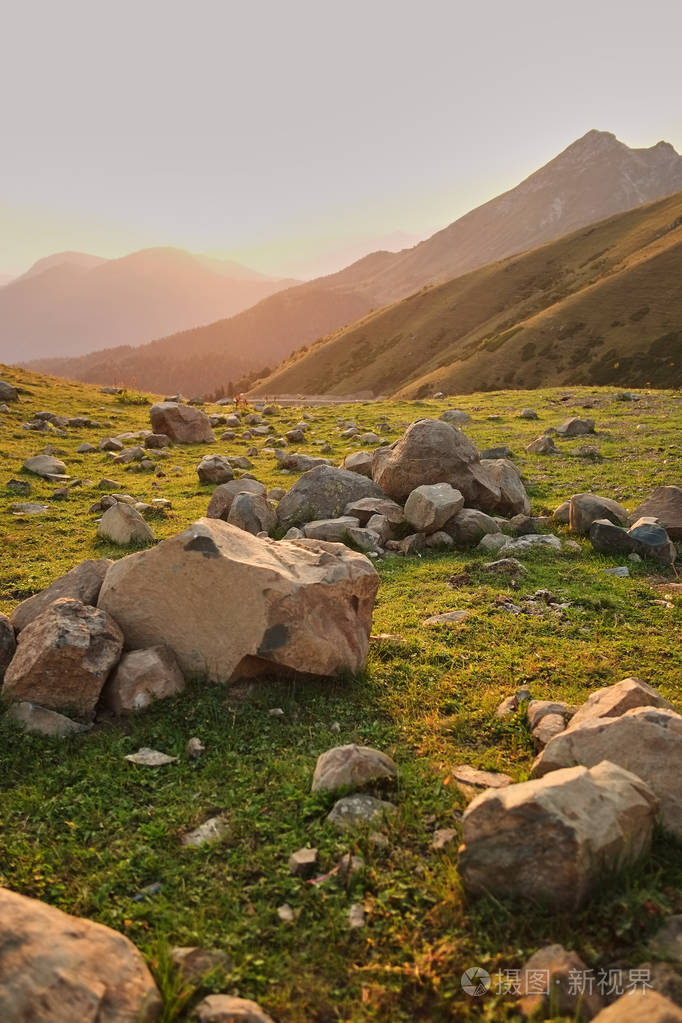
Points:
x=476, y=981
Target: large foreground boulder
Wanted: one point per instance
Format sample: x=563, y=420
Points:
x=64, y=657
x=322, y=493
x=58, y=968
x=645, y=740
x=431, y=451
x=230, y=604
x=665, y=505
x=182, y=423
x=550, y=840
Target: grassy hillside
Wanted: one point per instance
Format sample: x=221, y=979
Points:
x=603, y=305
x=84, y=830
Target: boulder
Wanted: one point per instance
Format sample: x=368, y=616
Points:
x=513, y=499
x=652, y=541
x=359, y=461
x=431, y=451
x=64, y=657
x=612, y=701
x=429, y=507
x=8, y=644
x=142, y=677
x=352, y=766
x=214, y=469
x=182, y=423
x=124, y=525
x=366, y=507
x=229, y=1009
x=156, y=440
x=645, y=740
x=584, y=509
x=223, y=496
x=82, y=583
x=46, y=466
x=64, y=969
x=230, y=604
x=40, y=721
x=253, y=513
x=455, y=415
x=352, y=811
x=552, y=839
x=528, y=413
x=322, y=493
x=335, y=530
x=543, y=445
x=298, y=463
x=468, y=526
x=562, y=513
x=547, y=985
x=641, y=1006
x=8, y=392
x=665, y=505
x=575, y=427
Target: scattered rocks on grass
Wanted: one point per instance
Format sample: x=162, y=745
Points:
x=584, y=509
x=323, y=493
x=214, y=469
x=575, y=427
x=352, y=766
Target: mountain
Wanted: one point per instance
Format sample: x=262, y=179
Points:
x=600, y=306
x=71, y=303
x=593, y=178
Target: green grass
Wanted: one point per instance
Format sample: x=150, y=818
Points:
x=86, y=831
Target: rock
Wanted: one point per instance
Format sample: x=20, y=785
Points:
x=356, y=916
x=285, y=913
x=182, y=423
x=612, y=701
x=124, y=526
x=538, y=709
x=82, y=583
x=429, y=507
x=415, y=543
x=352, y=811
x=194, y=963
x=621, y=571
x=640, y=1007
x=8, y=392
x=229, y=1009
x=528, y=413
x=107, y=484
x=505, y=566
x=552, y=839
x=303, y=605
x=527, y=543
x=442, y=838
x=382, y=528
x=64, y=969
x=110, y=444
x=352, y=766
x=665, y=505
x=472, y=782
x=584, y=509
x=146, y=757
x=302, y=863
x=652, y=541
x=223, y=496
x=491, y=543
x=575, y=427
x=367, y=507
x=155, y=441
x=298, y=463
x=547, y=727
x=431, y=451
x=359, y=461
x=667, y=941
x=543, y=445
x=323, y=493
x=562, y=514
x=85, y=449
x=41, y=721
x=252, y=513
x=214, y=469
x=500, y=452
x=607, y=538
x=646, y=741
x=469, y=526
x=23, y=508
x=46, y=466
x=214, y=830
x=64, y=657
x=439, y=539
x=455, y=415
x=141, y=678
x=8, y=644
x=557, y=991
x=448, y=618
x=335, y=530
x=194, y=748
x=513, y=499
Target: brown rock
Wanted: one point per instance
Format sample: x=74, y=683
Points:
x=513, y=499
x=182, y=423
x=584, y=509
x=230, y=604
x=82, y=583
x=62, y=969
x=640, y=1007
x=141, y=678
x=612, y=701
x=550, y=840
x=546, y=981
x=352, y=766
x=228, y=1009
x=665, y=505
x=223, y=496
x=64, y=657
x=8, y=644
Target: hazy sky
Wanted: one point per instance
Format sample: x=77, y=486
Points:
x=296, y=134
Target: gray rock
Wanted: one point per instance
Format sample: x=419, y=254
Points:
x=468, y=527
x=303, y=862
x=141, y=678
x=46, y=466
x=455, y=415
x=41, y=721
x=352, y=766
x=359, y=461
x=429, y=507
x=335, y=530
x=665, y=505
x=252, y=513
x=323, y=493
x=214, y=469
x=528, y=413
x=8, y=392
x=229, y=1009
x=575, y=427
x=124, y=526
x=584, y=509
x=367, y=507
x=542, y=445
x=223, y=496
x=182, y=423
x=212, y=831
x=352, y=811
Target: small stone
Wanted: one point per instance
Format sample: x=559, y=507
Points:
x=146, y=757
x=558, y=968
x=448, y=618
x=285, y=913
x=302, y=863
x=213, y=830
x=229, y=1009
x=443, y=837
x=620, y=571
x=194, y=748
x=352, y=766
x=195, y=963
x=471, y=781
x=41, y=721
x=356, y=916
x=351, y=811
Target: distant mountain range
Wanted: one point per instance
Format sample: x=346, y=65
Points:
x=71, y=302
x=602, y=306
x=592, y=179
